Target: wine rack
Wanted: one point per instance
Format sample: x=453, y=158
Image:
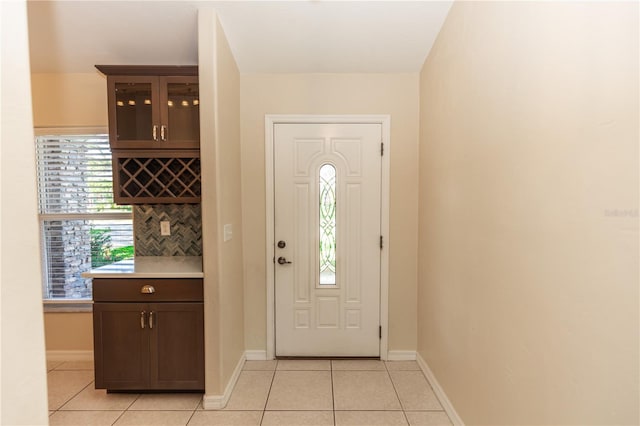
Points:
x=156, y=177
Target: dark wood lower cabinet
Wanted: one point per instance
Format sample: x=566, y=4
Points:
x=148, y=346
x=121, y=346
x=177, y=346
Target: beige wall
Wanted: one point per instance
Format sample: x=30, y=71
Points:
x=227, y=122
x=221, y=205
x=528, y=278
x=23, y=395
x=69, y=100
x=394, y=94
x=68, y=331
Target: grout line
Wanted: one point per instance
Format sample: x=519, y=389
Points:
x=133, y=402
x=119, y=417
x=333, y=395
x=273, y=378
x=397, y=395
x=191, y=416
x=74, y=395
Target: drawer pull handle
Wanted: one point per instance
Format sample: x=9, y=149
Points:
x=148, y=289
x=142, y=319
x=151, y=319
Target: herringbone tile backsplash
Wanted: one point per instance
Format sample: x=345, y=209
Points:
x=186, y=230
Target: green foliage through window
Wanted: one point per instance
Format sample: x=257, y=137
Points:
x=102, y=250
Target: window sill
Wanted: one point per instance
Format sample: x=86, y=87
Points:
x=81, y=305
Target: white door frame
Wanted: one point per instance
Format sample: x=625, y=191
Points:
x=385, y=122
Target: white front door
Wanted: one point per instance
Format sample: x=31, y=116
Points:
x=327, y=180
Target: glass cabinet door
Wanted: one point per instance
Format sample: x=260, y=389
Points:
x=182, y=103
x=134, y=118
x=154, y=112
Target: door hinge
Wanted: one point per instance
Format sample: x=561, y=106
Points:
x=381, y=242
x=380, y=332
x=381, y=148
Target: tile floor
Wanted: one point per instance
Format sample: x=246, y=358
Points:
x=285, y=392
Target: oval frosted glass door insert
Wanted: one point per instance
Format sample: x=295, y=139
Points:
x=327, y=225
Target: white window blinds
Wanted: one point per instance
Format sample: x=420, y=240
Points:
x=81, y=227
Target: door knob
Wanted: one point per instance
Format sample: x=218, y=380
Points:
x=283, y=261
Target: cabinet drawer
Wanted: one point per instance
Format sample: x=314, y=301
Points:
x=159, y=290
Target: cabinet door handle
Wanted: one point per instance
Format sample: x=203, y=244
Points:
x=155, y=132
x=163, y=133
x=151, y=319
x=142, y=319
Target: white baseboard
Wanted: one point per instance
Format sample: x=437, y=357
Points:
x=401, y=356
x=258, y=355
x=218, y=402
x=444, y=400
x=69, y=356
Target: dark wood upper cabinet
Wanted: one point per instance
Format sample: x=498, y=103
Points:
x=153, y=107
x=154, y=133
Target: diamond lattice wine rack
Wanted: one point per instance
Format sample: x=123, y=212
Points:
x=155, y=177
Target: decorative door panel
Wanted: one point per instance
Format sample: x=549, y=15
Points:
x=327, y=231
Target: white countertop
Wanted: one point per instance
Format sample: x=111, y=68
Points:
x=151, y=267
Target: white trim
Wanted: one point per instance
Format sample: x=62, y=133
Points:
x=259, y=355
x=437, y=389
x=401, y=356
x=218, y=402
x=70, y=355
x=385, y=121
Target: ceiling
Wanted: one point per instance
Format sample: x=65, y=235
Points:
x=265, y=36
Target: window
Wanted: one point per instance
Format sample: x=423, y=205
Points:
x=81, y=227
x=327, y=225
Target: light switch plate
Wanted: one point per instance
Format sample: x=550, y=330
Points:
x=165, y=227
x=228, y=232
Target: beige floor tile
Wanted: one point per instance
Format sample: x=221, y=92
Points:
x=75, y=365
x=414, y=391
x=260, y=365
x=402, y=366
x=428, y=418
x=297, y=418
x=98, y=399
x=64, y=385
x=358, y=364
x=364, y=390
x=301, y=390
x=304, y=364
x=167, y=401
x=226, y=418
x=251, y=391
x=84, y=418
x=370, y=418
x=156, y=418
